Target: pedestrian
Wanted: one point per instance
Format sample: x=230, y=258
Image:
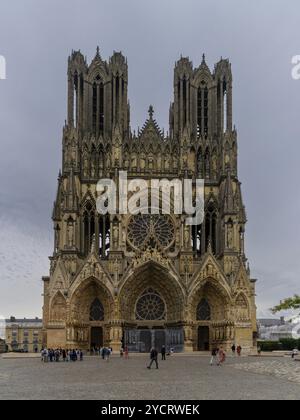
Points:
x=153, y=358
x=213, y=359
x=102, y=352
x=163, y=353
x=81, y=355
x=107, y=353
x=221, y=356
x=64, y=355
x=233, y=350
x=121, y=352
x=239, y=350
x=294, y=353
x=45, y=355
x=126, y=352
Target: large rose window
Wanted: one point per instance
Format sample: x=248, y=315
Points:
x=146, y=230
x=150, y=306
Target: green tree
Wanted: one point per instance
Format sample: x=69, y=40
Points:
x=288, y=303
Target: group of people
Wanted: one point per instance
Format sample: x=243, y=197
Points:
x=104, y=352
x=57, y=355
x=218, y=355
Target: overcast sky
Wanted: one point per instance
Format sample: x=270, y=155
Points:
x=260, y=37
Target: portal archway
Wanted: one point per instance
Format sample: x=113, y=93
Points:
x=91, y=307
x=209, y=305
x=151, y=305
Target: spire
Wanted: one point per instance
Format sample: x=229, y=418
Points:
x=228, y=194
x=151, y=112
x=209, y=247
x=203, y=59
x=56, y=213
x=97, y=55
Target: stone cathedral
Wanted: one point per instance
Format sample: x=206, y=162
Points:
x=148, y=280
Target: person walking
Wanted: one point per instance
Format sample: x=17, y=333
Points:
x=222, y=355
x=126, y=352
x=163, y=353
x=233, y=350
x=81, y=355
x=153, y=358
x=239, y=350
x=107, y=353
x=214, y=359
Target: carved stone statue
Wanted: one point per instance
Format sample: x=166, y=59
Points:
x=70, y=234
x=229, y=235
x=115, y=235
x=187, y=237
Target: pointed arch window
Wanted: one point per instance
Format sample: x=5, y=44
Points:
x=200, y=163
x=88, y=226
x=202, y=110
x=94, y=111
x=203, y=311
x=224, y=106
x=75, y=100
x=98, y=106
x=96, y=311
x=207, y=164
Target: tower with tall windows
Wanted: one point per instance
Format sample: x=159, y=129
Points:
x=148, y=279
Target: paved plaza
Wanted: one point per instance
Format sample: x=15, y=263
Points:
x=179, y=377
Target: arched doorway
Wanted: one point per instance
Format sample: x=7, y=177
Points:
x=209, y=303
x=151, y=303
x=203, y=338
x=96, y=337
x=91, y=306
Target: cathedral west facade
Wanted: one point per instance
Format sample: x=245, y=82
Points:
x=147, y=280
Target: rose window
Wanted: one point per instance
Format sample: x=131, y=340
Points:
x=146, y=230
x=150, y=306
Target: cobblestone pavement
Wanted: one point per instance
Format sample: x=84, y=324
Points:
x=184, y=377
x=281, y=368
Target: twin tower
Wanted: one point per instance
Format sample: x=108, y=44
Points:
x=98, y=101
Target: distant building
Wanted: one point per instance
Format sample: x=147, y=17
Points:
x=271, y=322
x=276, y=329
x=2, y=346
x=24, y=334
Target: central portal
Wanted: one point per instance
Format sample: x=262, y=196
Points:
x=203, y=338
x=96, y=337
x=143, y=339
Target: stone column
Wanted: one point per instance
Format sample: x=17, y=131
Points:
x=115, y=335
x=188, y=339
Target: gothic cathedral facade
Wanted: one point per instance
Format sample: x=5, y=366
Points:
x=143, y=280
